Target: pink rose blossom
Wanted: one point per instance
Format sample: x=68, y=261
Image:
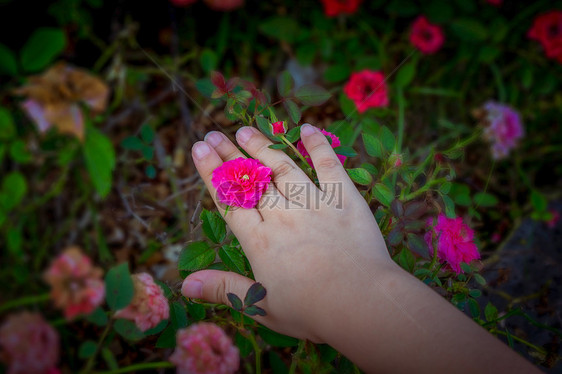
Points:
x=224, y=5
x=333, y=8
x=426, y=36
x=28, y=344
x=504, y=128
x=335, y=143
x=547, y=29
x=76, y=286
x=367, y=89
x=278, y=128
x=204, y=348
x=149, y=305
x=241, y=182
x=455, y=242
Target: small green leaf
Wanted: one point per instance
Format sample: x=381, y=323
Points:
x=490, y=312
x=360, y=176
x=538, y=201
x=388, y=139
x=475, y=293
x=150, y=171
x=147, y=133
x=178, y=316
x=7, y=128
x=132, y=143
x=119, y=287
x=293, y=111
x=255, y=293
x=214, y=226
x=479, y=279
x=407, y=260
x=44, y=45
x=345, y=150
x=196, y=311
x=293, y=134
x=485, y=199
x=19, y=152
x=98, y=317
x=109, y=359
x=235, y=301
x=469, y=30
x=158, y=328
x=474, y=308
x=336, y=73
x=264, y=125
x=205, y=86
x=373, y=145
x=285, y=83
x=280, y=28
x=278, y=146
x=232, y=258
x=100, y=159
x=128, y=330
x=383, y=194
x=196, y=256
x=147, y=152
x=466, y=267
x=445, y=188
x=168, y=338
x=417, y=245
x=312, y=95
x=255, y=310
x=14, y=188
x=449, y=206
x=87, y=349
x=8, y=63
x=406, y=74
x=208, y=60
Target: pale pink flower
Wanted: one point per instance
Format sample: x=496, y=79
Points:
x=504, y=128
x=454, y=241
x=204, y=348
x=76, y=286
x=335, y=143
x=278, y=128
x=241, y=182
x=149, y=305
x=29, y=345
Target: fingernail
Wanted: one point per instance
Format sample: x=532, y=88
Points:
x=213, y=138
x=244, y=134
x=307, y=129
x=201, y=149
x=192, y=288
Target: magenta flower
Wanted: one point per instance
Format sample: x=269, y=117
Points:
x=455, y=242
x=335, y=143
x=204, y=348
x=278, y=128
x=76, y=286
x=241, y=182
x=149, y=305
x=426, y=36
x=224, y=5
x=367, y=89
x=504, y=128
x=28, y=344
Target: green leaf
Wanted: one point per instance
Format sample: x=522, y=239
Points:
x=100, y=159
x=293, y=111
x=7, y=128
x=460, y=194
x=312, y=95
x=275, y=339
x=469, y=29
x=235, y=301
x=538, y=201
x=383, y=194
x=168, y=338
x=19, y=152
x=14, y=188
x=128, y=330
x=449, y=206
x=407, y=260
x=277, y=364
x=438, y=10
x=119, y=287
x=475, y=293
x=255, y=310
x=8, y=63
x=255, y=293
x=445, y=188
x=243, y=344
x=278, y=146
x=406, y=74
x=490, y=312
x=373, y=146
x=214, y=226
x=360, y=176
x=345, y=150
x=196, y=311
x=132, y=143
x=264, y=126
x=109, y=359
x=208, y=60
x=479, y=279
x=293, y=134
x=196, y=256
x=281, y=28
x=178, y=316
x=388, y=139
x=474, y=308
x=147, y=133
x=44, y=45
x=417, y=245
x=485, y=199
x=87, y=349
x=158, y=328
x=285, y=83
x=232, y=258
x=150, y=171
x=98, y=317
x=205, y=86
x=147, y=152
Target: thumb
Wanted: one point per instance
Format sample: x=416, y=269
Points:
x=213, y=285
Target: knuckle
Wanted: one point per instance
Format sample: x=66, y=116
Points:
x=259, y=145
x=282, y=169
x=232, y=154
x=220, y=291
x=327, y=163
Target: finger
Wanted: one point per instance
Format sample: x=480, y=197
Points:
x=206, y=160
x=214, y=285
x=289, y=179
x=326, y=163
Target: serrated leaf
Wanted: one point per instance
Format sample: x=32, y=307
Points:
x=293, y=134
x=254, y=310
x=479, y=279
x=373, y=146
x=474, y=308
x=128, y=330
x=255, y=293
x=235, y=301
x=360, y=176
x=383, y=194
x=293, y=111
x=417, y=245
x=475, y=293
x=196, y=256
x=285, y=83
x=41, y=48
x=449, y=206
x=345, y=150
x=119, y=287
x=388, y=139
x=312, y=95
x=264, y=125
x=232, y=258
x=178, y=316
x=214, y=226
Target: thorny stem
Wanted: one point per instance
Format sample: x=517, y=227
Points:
x=293, y=148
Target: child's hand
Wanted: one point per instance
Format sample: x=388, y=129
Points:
x=310, y=259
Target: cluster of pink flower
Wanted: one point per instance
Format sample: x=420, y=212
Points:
x=454, y=242
x=547, y=29
x=504, y=128
x=220, y=5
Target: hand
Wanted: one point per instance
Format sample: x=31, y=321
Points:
x=309, y=259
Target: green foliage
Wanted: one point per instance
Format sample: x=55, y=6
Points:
x=42, y=47
x=100, y=159
x=196, y=256
x=214, y=226
x=119, y=288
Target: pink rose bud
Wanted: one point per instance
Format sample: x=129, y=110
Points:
x=396, y=160
x=279, y=128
